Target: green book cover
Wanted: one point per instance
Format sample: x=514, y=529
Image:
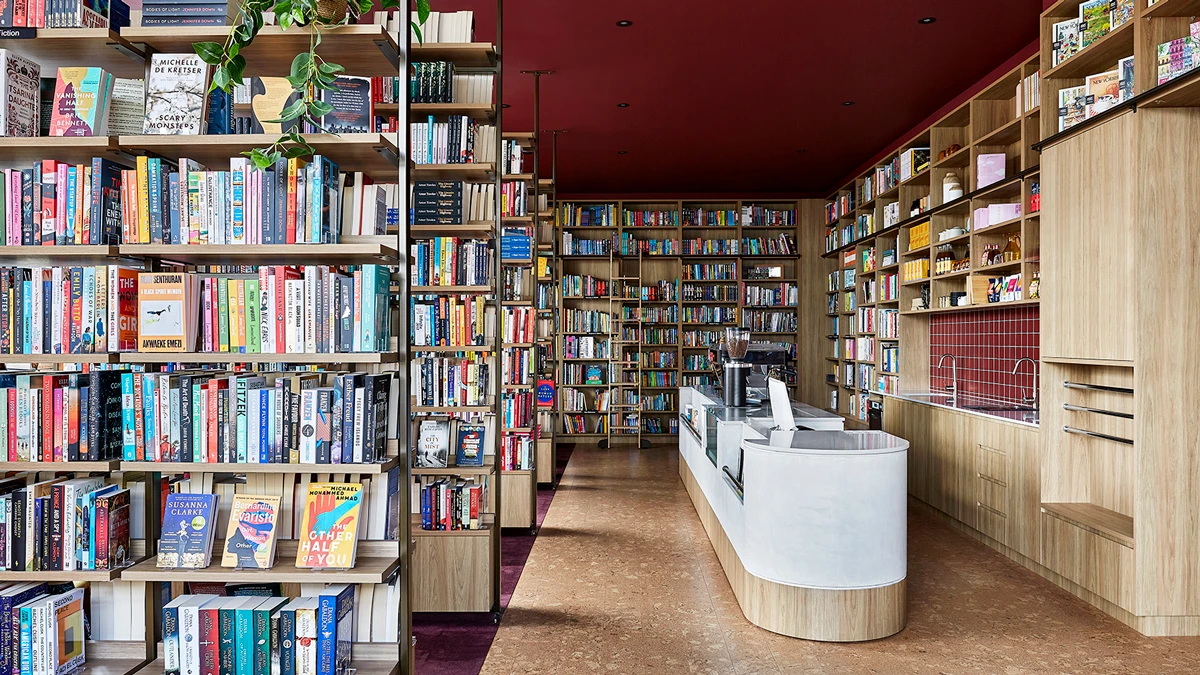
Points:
x=243, y=660
x=228, y=638
x=222, y=315
x=253, y=329
x=262, y=634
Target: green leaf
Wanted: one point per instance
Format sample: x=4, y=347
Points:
x=237, y=67
x=416, y=31
x=300, y=64
x=331, y=68
x=297, y=82
x=284, y=19
x=390, y=4
x=220, y=78
x=263, y=159
x=422, y=11
x=365, y=6
x=291, y=112
x=319, y=108
x=297, y=151
x=211, y=53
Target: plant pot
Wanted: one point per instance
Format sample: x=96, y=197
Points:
x=331, y=12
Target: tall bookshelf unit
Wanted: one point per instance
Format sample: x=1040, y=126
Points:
x=682, y=271
x=884, y=236
x=365, y=50
x=459, y=570
x=548, y=314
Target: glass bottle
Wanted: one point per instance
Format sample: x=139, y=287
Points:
x=1012, y=250
x=945, y=260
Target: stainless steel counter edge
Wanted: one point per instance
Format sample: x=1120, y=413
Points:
x=964, y=411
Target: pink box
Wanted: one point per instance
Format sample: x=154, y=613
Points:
x=999, y=213
x=981, y=219
x=990, y=168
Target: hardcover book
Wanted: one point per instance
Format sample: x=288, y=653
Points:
x=66, y=612
x=352, y=110
x=166, y=312
x=433, y=446
x=329, y=527
x=20, y=81
x=81, y=98
x=470, y=445
x=187, y=531
x=250, y=536
x=176, y=94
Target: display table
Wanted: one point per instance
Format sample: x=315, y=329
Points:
x=810, y=526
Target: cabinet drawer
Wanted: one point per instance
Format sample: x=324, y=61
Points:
x=991, y=494
x=991, y=522
x=1097, y=563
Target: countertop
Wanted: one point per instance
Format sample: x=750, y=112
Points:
x=975, y=405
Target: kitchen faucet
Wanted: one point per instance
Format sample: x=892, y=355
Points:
x=1034, y=392
x=953, y=386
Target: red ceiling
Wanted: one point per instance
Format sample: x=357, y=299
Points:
x=723, y=95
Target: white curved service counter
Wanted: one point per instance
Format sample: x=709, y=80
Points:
x=810, y=526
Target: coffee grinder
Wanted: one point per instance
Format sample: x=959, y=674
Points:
x=736, y=380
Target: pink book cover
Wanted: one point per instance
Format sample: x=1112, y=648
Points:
x=12, y=183
x=11, y=406
x=208, y=308
x=991, y=168
x=58, y=422
x=60, y=213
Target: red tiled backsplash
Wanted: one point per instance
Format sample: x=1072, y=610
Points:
x=987, y=344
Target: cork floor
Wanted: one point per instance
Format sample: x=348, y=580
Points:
x=622, y=579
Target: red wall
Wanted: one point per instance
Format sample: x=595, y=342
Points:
x=987, y=344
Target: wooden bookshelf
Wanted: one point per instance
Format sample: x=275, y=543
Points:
x=463, y=55
x=228, y=357
x=55, y=48
x=77, y=150
x=354, y=469
x=345, y=253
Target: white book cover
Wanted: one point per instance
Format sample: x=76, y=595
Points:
x=36, y=296
x=56, y=281
x=127, y=107
x=294, y=324
x=268, y=317
x=176, y=94
x=113, y=306
x=306, y=627
x=308, y=426
x=359, y=420
x=309, y=310
x=20, y=108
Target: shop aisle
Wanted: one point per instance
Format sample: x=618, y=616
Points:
x=622, y=579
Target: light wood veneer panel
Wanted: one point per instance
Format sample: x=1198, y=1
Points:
x=518, y=505
x=456, y=572
x=1096, y=563
x=813, y=346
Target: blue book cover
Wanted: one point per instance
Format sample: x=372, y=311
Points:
x=154, y=185
x=220, y=109
x=267, y=207
x=334, y=628
x=12, y=597
x=173, y=192
x=237, y=187
x=149, y=404
x=26, y=639
x=243, y=646
x=67, y=236
x=26, y=321
x=128, y=439
x=264, y=425
x=187, y=527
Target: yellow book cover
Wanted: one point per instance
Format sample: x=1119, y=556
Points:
x=241, y=315
x=329, y=526
x=143, y=200
x=162, y=301
x=250, y=536
x=231, y=287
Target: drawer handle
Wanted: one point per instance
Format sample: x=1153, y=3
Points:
x=1096, y=434
x=1098, y=411
x=1097, y=387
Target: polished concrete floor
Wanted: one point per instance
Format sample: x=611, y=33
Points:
x=622, y=579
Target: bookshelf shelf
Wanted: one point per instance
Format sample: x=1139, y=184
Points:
x=42, y=255
x=98, y=47
x=374, y=154
x=1095, y=518
x=110, y=666
x=366, y=570
x=461, y=54
x=1185, y=8
x=1100, y=55
x=482, y=112
x=274, y=48
x=213, y=254
x=103, y=465
x=484, y=229
x=175, y=468
x=454, y=289
x=453, y=348
x=77, y=150
x=480, y=171
x=72, y=575
x=60, y=358
x=433, y=409
x=226, y=357
x=486, y=470
x=357, y=666
x=1007, y=134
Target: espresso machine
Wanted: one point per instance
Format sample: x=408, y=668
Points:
x=734, y=361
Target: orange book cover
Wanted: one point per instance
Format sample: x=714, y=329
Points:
x=329, y=527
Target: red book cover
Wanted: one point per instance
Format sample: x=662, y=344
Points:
x=60, y=213
x=58, y=425
x=215, y=386
x=65, y=334
x=474, y=504
x=210, y=635
x=448, y=509
x=139, y=422
x=55, y=521
x=48, y=385
x=127, y=307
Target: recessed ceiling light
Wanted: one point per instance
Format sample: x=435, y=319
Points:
x=927, y=20
x=622, y=152
x=624, y=23
x=503, y=105
x=847, y=103
x=802, y=150
x=622, y=105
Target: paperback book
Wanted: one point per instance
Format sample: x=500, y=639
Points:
x=329, y=528
x=187, y=531
x=250, y=542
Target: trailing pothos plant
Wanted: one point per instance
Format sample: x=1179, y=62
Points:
x=310, y=73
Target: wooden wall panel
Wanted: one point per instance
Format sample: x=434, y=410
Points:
x=1168, y=363
x=1088, y=287
x=813, y=269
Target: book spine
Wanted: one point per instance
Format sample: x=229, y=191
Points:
x=170, y=633
x=326, y=633
x=287, y=642
x=210, y=640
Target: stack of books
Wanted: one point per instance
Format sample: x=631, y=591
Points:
x=47, y=628
x=64, y=525
x=188, y=13
x=65, y=14
x=446, y=27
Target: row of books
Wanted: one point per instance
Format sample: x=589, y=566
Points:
x=452, y=202
x=516, y=452
x=583, y=286
x=451, y=381
x=459, y=140
x=586, y=215
x=64, y=525
x=586, y=321
x=1098, y=93
x=713, y=247
x=572, y=245
x=453, y=504
x=516, y=409
x=586, y=347
x=44, y=629
x=255, y=635
x=785, y=294
x=661, y=291
x=589, y=374
x=438, y=82
x=518, y=325
x=445, y=27
x=517, y=366
x=710, y=271
x=707, y=314
x=1179, y=56
x=451, y=261
x=172, y=13
x=770, y=322
x=433, y=443
x=63, y=14
x=445, y=321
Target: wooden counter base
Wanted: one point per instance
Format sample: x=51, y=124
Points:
x=812, y=614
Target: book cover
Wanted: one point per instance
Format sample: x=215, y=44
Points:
x=335, y=624
x=352, y=112
x=1095, y=21
x=268, y=98
x=470, y=445
x=1122, y=12
x=125, y=302
x=187, y=530
x=433, y=444
x=1066, y=40
x=176, y=93
x=1103, y=92
x=20, y=82
x=162, y=303
x=329, y=527
x=68, y=637
x=127, y=107
x=1072, y=107
x=250, y=535
x=80, y=100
